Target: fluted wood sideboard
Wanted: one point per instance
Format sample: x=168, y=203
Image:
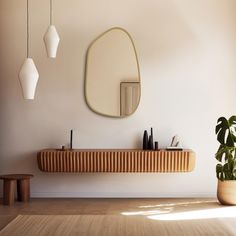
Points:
x=119, y=160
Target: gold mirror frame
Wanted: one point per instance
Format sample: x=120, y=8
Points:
x=86, y=72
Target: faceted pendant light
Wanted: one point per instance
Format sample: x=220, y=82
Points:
x=28, y=78
x=28, y=74
x=51, y=38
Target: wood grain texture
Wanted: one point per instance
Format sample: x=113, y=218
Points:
x=11, y=182
x=9, y=191
x=16, y=176
x=23, y=190
x=114, y=225
x=124, y=216
x=130, y=161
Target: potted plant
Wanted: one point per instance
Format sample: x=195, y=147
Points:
x=226, y=155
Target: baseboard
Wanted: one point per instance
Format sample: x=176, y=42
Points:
x=121, y=195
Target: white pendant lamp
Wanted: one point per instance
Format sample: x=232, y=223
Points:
x=28, y=74
x=51, y=37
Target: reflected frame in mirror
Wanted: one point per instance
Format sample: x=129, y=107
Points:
x=138, y=73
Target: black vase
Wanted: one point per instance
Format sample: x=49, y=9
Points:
x=156, y=146
x=145, y=140
x=150, y=142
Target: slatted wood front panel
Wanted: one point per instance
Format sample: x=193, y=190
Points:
x=115, y=161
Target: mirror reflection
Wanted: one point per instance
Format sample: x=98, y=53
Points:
x=112, y=82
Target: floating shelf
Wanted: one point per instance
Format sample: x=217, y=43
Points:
x=111, y=160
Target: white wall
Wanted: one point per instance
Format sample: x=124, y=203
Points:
x=187, y=54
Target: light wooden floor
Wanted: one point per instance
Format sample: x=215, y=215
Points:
x=195, y=216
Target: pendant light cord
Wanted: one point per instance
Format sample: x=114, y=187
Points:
x=27, y=29
x=50, y=12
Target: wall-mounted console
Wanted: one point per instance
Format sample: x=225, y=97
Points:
x=111, y=160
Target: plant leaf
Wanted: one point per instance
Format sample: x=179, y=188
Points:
x=225, y=152
x=224, y=131
x=219, y=170
x=234, y=168
x=232, y=120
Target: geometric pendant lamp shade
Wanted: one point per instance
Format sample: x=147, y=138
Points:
x=28, y=76
x=51, y=37
x=51, y=40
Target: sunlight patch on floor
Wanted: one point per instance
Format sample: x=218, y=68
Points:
x=165, y=208
x=186, y=210
x=224, y=212
x=177, y=204
x=144, y=213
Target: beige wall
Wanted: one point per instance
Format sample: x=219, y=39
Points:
x=187, y=57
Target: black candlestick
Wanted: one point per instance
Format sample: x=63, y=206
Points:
x=71, y=139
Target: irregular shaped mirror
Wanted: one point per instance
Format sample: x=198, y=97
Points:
x=112, y=81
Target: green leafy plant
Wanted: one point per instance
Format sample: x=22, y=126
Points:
x=226, y=154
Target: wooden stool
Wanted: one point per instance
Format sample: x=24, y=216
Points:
x=10, y=182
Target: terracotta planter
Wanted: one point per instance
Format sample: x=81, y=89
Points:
x=226, y=192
